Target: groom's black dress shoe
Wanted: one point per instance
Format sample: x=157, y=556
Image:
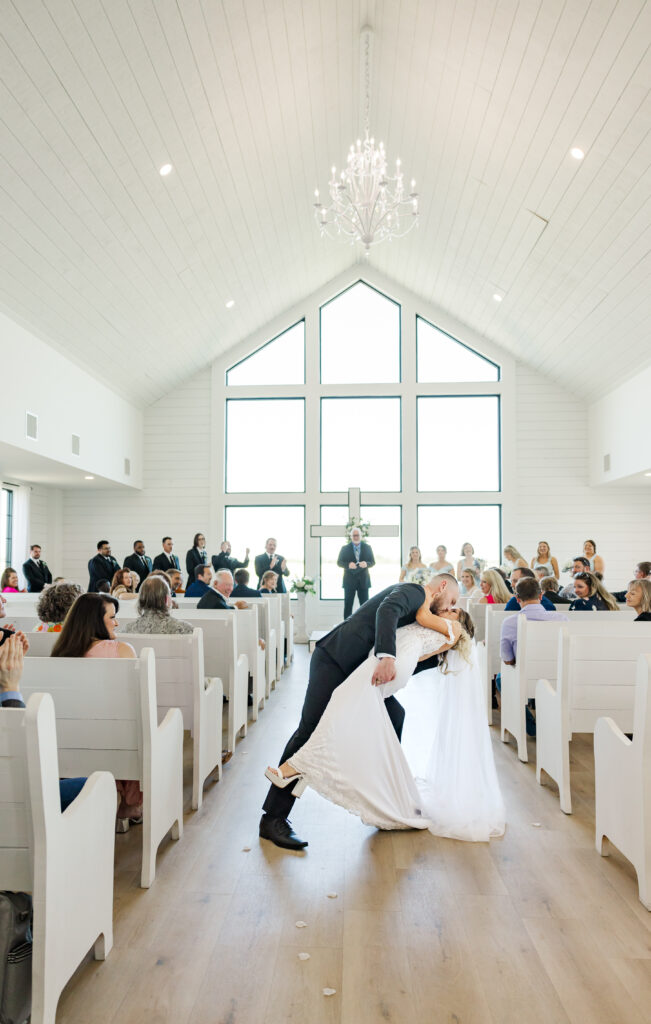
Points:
x=280, y=832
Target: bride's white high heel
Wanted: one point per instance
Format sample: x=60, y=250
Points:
x=276, y=778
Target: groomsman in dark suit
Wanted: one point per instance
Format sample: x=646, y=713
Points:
x=167, y=560
x=102, y=567
x=224, y=561
x=355, y=558
x=270, y=560
x=35, y=571
x=138, y=562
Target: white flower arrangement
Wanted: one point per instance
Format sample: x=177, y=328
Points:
x=360, y=524
x=568, y=566
x=421, y=576
x=302, y=585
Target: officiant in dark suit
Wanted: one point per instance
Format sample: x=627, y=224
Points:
x=138, y=562
x=356, y=558
x=166, y=560
x=270, y=560
x=35, y=571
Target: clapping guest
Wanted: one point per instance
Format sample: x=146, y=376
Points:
x=167, y=560
x=269, y=583
x=591, y=595
x=545, y=560
x=197, y=555
x=35, y=571
x=54, y=604
x=414, y=567
x=9, y=582
x=202, y=580
x=469, y=585
x=224, y=560
x=468, y=560
x=138, y=563
x=595, y=560
x=638, y=597
x=441, y=564
x=271, y=560
x=123, y=585
x=493, y=588
x=513, y=559
x=154, y=608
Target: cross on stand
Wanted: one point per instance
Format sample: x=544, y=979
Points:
x=354, y=512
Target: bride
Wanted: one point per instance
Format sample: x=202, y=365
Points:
x=355, y=759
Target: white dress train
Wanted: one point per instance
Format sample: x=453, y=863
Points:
x=354, y=758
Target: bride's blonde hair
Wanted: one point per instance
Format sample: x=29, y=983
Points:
x=463, y=644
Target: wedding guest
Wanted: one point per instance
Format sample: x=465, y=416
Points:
x=512, y=559
x=545, y=560
x=414, y=569
x=9, y=582
x=638, y=597
x=270, y=560
x=540, y=572
x=269, y=583
x=167, y=560
x=355, y=558
x=154, y=607
x=175, y=580
x=469, y=585
x=89, y=632
x=102, y=567
x=224, y=560
x=595, y=560
x=123, y=585
x=103, y=587
x=591, y=595
x=242, y=588
x=579, y=564
x=642, y=571
x=202, y=580
x=218, y=596
x=528, y=594
x=36, y=571
x=197, y=555
x=138, y=563
x=54, y=604
x=523, y=572
x=493, y=588
x=551, y=590
x=441, y=564
x=468, y=560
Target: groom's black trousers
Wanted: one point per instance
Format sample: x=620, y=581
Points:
x=325, y=677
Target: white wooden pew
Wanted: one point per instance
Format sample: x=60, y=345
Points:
x=270, y=637
x=623, y=784
x=107, y=719
x=595, y=677
x=276, y=624
x=288, y=619
x=64, y=859
x=478, y=612
x=490, y=657
x=537, y=658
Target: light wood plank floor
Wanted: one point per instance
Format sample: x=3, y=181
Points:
x=534, y=927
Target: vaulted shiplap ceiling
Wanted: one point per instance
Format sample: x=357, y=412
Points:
x=252, y=101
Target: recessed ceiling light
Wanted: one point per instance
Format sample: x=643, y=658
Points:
x=577, y=153
x=165, y=170
x=230, y=303
x=498, y=298
x=89, y=478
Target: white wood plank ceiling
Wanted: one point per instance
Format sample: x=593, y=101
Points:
x=252, y=101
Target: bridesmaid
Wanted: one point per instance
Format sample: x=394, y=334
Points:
x=441, y=564
x=468, y=560
x=513, y=559
x=545, y=560
x=414, y=567
x=590, y=552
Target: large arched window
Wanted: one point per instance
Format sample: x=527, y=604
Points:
x=362, y=390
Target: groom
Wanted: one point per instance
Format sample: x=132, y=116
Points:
x=336, y=655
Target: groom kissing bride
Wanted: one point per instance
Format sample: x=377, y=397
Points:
x=365, y=642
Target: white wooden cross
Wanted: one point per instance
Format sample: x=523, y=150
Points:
x=354, y=511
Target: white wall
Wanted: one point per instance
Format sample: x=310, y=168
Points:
x=67, y=401
x=175, y=495
x=619, y=428
x=554, y=500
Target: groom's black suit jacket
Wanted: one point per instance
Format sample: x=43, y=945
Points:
x=373, y=627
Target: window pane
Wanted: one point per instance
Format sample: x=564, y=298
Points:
x=443, y=358
x=280, y=361
x=265, y=444
x=385, y=549
x=360, y=338
x=346, y=459
x=249, y=526
x=458, y=444
x=6, y=527
x=454, y=525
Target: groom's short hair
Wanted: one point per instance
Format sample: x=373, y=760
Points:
x=442, y=576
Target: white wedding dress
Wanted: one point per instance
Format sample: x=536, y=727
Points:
x=354, y=758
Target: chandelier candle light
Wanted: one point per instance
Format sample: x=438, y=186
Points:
x=366, y=204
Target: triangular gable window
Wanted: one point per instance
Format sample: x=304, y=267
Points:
x=280, y=361
x=443, y=359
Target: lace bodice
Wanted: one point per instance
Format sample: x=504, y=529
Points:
x=415, y=638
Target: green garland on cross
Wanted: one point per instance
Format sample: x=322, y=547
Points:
x=355, y=522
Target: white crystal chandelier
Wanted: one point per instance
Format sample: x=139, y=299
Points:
x=366, y=204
